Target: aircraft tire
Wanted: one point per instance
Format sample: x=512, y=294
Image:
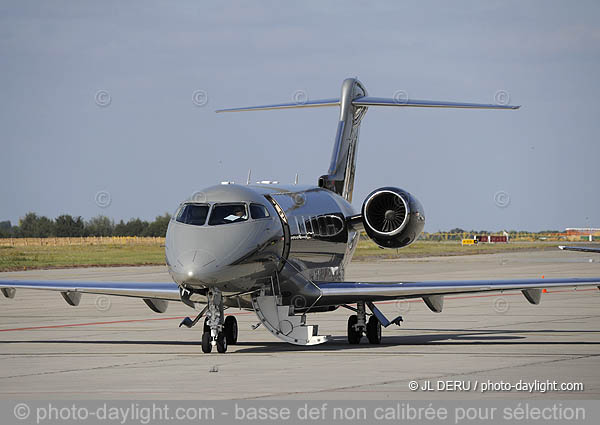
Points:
x=221, y=343
x=353, y=335
x=231, y=330
x=374, y=330
x=206, y=342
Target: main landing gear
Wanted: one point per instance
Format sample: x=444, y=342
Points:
x=358, y=326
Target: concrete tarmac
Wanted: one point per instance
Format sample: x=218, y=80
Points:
x=114, y=348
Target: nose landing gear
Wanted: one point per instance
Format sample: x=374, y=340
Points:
x=219, y=331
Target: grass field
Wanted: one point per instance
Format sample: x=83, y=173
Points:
x=367, y=250
x=45, y=257
x=14, y=258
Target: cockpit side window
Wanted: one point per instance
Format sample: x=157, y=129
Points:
x=258, y=211
x=194, y=214
x=228, y=213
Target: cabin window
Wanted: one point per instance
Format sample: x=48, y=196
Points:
x=228, y=213
x=194, y=214
x=258, y=211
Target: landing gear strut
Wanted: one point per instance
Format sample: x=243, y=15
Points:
x=217, y=330
x=358, y=326
x=213, y=324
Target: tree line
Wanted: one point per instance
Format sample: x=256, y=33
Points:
x=35, y=226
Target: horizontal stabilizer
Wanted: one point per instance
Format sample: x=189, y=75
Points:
x=291, y=105
x=366, y=101
x=381, y=101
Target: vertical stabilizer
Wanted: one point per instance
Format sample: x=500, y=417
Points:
x=340, y=177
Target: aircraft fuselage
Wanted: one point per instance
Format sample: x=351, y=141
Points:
x=303, y=233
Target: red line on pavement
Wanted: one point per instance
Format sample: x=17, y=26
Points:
x=102, y=323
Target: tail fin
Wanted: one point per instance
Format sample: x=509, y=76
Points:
x=354, y=102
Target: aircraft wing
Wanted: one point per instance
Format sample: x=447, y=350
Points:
x=580, y=248
x=336, y=293
x=332, y=293
x=146, y=290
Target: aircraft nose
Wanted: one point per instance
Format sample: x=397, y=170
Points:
x=195, y=264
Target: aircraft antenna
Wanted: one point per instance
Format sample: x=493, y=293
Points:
x=249, y=176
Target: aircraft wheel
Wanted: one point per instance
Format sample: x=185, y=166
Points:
x=206, y=342
x=353, y=335
x=221, y=343
x=206, y=327
x=231, y=330
x=374, y=330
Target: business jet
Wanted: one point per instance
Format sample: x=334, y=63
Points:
x=281, y=250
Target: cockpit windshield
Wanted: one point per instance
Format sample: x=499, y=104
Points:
x=193, y=214
x=228, y=213
x=258, y=211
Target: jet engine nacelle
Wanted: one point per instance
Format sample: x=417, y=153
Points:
x=392, y=217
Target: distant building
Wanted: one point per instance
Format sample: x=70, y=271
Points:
x=581, y=231
x=492, y=238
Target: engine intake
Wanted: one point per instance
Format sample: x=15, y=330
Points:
x=392, y=217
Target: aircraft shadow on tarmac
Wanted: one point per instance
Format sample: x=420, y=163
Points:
x=450, y=337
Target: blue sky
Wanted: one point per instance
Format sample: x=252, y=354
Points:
x=151, y=146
